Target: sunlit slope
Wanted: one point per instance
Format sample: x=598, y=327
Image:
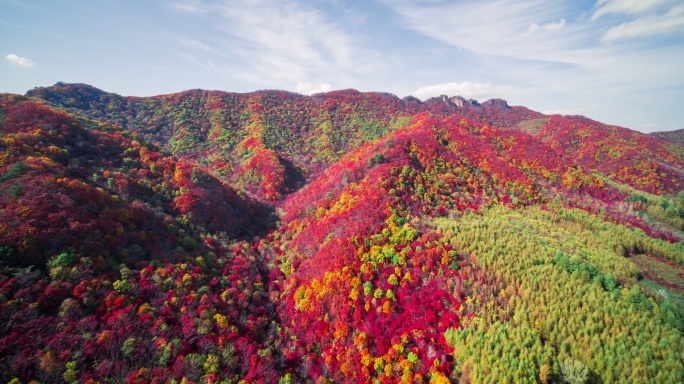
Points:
x=572, y=301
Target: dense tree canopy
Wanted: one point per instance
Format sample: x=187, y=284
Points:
x=346, y=237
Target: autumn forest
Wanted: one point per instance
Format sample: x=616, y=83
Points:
x=271, y=237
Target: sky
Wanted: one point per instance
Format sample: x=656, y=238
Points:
x=617, y=61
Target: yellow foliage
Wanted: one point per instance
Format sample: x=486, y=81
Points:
x=187, y=279
x=439, y=378
x=221, y=320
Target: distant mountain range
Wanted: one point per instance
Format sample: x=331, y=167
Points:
x=674, y=137
x=208, y=236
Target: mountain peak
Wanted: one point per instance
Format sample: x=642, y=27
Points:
x=462, y=102
x=496, y=103
x=71, y=95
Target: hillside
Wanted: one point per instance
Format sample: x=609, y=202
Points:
x=272, y=237
x=674, y=137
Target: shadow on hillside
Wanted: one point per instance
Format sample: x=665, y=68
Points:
x=294, y=178
x=217, y=207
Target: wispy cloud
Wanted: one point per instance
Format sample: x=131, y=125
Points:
x=33, y=30
x=57, y=35
x=465, y=89
x=311, y=88
x=283, y=41
x=196, y=44
x=605, y=7
x=507, y=36
x=192, y=59
x=207, y=65
x=499, y=27
x=19, y=3
x=651, y=25
x=553, y=26
x=551, y=54
x=20, y=61
x=190, y=6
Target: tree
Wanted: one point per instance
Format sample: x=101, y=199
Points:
x=574, y=372
x=545, y=373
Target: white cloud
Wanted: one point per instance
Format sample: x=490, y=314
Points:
x=189, y=6
x=47, y=33
x=311, y=88
x=546, y=68
x=570, y=58
x=500, y=27
x=464, y=89
x=20, y=61
x=635, y=7
x=651, y=25
x=207, y=65
x=283, y=41
x=554, y=26
x=196, y=44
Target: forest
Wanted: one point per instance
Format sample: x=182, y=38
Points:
x=271, y=237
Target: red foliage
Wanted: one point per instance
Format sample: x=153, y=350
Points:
x=139, y=274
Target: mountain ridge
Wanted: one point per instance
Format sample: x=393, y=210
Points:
x=494, y=113
x=675, y=137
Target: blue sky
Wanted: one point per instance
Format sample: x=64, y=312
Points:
x=618, y=61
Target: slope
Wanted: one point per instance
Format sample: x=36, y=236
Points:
x=370, y=289
x=413, y=248
x=105, y=243
x=673, y=137
x=68, y=184
x=623, y=155
x=571, y=305
x=295, y=137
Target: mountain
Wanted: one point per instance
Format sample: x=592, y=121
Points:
x=208, y=236
x=75, y=183
x=674, y=137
